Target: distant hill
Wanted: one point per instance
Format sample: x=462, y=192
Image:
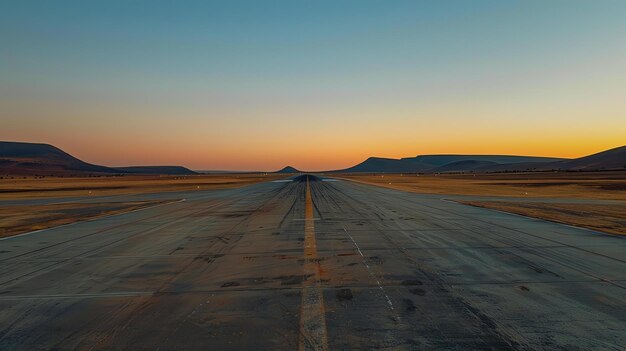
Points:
x=613, y=159
x=464, y=166
x=42, y=159
x=17, y=158
x=288, y=170
x=378, y=164
x=443, y=160
x=440, y=163
x=605, y=160
x=171, y=170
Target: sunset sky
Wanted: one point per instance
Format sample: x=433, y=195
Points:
x=252, y=85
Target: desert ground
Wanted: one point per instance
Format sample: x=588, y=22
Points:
x=20, y=187
x=594, y=200
x=311, y=263
x=584, y=185
x=65, y=200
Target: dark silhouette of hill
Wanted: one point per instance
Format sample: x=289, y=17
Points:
x=440, y=163
x=18, y=158
x=288, y=170
x=171, y=170
x=613, y=159
x=464, y=166
x=379, y=164
x=42, y=159
x=605, y=160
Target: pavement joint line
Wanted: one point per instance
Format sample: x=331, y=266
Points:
x=75, y=200
x=610, y=281
x=101, y=230
x=462, y=215
x=77, y=296
x=269, y=254
x=313, y=332
x=65, y=261
x=281, y=288
x=410, y=200
x=89, y=220
x=369, y=270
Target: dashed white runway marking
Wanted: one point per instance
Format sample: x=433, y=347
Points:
x=369, y=270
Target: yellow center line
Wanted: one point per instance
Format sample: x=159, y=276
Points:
x=313, y=335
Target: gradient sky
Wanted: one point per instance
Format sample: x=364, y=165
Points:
x=251, y=85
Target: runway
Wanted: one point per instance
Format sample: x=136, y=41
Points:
x=312, y=264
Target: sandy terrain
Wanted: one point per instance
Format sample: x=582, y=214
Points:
x=24, y=188
x=586, y=185
x=602, y=217
x=610, y=218
x=24, y=218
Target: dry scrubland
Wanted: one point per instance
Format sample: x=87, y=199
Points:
x=16, y=219
x=585, y=185
x=610, y=218
x=47, y=187
x=602, y=217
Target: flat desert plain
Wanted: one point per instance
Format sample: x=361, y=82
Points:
x=47, y=187
x=35, y=203
x=594, y=200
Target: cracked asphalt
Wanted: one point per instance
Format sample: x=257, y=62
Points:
x=227, y=269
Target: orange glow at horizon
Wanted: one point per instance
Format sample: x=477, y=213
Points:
x=315, y=86
x=273, y=139
x=327, y=155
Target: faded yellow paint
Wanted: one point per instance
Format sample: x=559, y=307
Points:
x=313, y=334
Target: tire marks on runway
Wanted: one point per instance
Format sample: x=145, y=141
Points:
x=313, y=334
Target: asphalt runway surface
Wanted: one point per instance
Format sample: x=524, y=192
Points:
x=312, y=264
